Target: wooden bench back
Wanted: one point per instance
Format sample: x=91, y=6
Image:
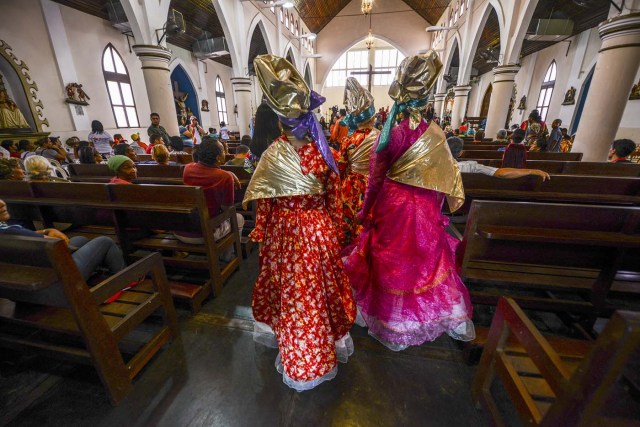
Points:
x=164, y=171
x=182, y=159
x=536, y=155
x=475, y=146
x=592, y=185
x=556, y=167
x=79, y=169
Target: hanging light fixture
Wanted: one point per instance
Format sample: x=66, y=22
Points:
x=370, y=40
x=366, y=7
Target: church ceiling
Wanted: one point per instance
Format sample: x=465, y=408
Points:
x=199, y=16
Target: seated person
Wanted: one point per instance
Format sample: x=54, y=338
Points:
x=26, y=148
x=154, y=139
x=124, y=169
x=501, y=138
x=51, y=148
x=11, y=170
x=38, y=168
x=620, y=150
x=218, y=185
x=456, y=146
x=88, y=254
x=124, y=149
x=566, y=143
x=185, y=134
x=479, y=136
x=176, y=145
x=161, y=155
x=240, y=156
x=11, y=147
x=138, y=146
x=541, y=144
x=89, y=156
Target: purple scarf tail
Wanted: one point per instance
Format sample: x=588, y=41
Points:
x=308, y=123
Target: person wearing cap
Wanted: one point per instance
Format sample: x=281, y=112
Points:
x=138, y=146
x=302, y=300
x=354, y=155
x=402, y=268
x=195, y=130
x=124, y=169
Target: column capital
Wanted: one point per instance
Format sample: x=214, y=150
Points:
x=505, y=73
x=462, y=90
x=622, y=25
x=152, y=52
x=241, y=84
x=440, y=96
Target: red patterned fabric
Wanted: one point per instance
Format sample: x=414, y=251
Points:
x=302, y=291
x=352, y=188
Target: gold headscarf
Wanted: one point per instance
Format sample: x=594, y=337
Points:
x=414, y=78
x=285, y=89
x=356, y=98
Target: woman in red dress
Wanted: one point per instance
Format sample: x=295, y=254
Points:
x=302, y=300
x=354, y=156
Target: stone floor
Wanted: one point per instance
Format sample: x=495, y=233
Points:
x=215, y=375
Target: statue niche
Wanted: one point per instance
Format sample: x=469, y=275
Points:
x=20, y=109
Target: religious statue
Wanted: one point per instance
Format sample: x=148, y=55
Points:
x=10, y=115
x=205, y=105
x=635, y=91
x=75, y=94
x=182, y=108
x=569, y=97
x=189, y=112
x=523, y=103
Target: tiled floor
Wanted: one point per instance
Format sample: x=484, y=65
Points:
x=216, y=376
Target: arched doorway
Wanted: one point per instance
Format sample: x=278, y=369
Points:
x=290, y=58
x=484, y=109
x=577, y=114
x=307, y=76
x=257, y=46
x=184, y=94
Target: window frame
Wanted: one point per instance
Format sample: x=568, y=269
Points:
x=547, y=86
x=221, y=102
x=119, y=79
x=387, y=77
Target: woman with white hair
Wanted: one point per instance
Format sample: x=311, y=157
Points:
x=39, y=168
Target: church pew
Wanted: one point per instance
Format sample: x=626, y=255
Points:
x=578, y=259
x=575, y=168
x=165, y=171
x=58, y=314
x=536, y=155
x=182, y=159
x=554, y=381
x=128, y=213
x=477, y=146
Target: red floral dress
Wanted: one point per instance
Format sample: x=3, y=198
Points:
x=302, y=291
x=352, y=188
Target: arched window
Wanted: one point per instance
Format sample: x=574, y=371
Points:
x=462, y=8
x=286, y=20
x=455, y=13
x=118, y=84
x=297, y=29
x=281, y=16
x=546, y=90
x=221, y=102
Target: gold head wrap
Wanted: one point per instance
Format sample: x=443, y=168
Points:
x=414, y=78
x=356, y=98
x=285, y=89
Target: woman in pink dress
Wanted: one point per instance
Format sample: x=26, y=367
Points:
x=403, y=266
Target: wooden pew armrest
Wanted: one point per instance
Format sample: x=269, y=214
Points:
x=227, y=213
x=133, y=273
x=580, y=237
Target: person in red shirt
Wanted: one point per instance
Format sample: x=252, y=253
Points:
x=620, y=150
x=218, y=184
x=155, y=138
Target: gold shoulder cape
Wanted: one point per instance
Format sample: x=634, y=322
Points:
x=359, y=161
x=278, y=174
x=428, y=164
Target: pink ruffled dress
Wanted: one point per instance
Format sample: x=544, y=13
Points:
x=402, y=267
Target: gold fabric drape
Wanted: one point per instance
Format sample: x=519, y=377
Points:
x=428, y=164
x=359, y=161
x=278, y=174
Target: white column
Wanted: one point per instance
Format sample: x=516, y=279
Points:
x=155, y=68
x=503, y=79
x=64, y=59
x=242, y=92
x=459, y=104
x=438, y=105
x=616, y=68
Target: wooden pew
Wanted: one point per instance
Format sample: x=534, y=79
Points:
x=55, y=308
x=177, y=209
x=482, y=146
x=579, y=259
x=575, y=168
x=147, y=174
x=560, y=382
x=535, y=155
x=182, y=159
x=128, y=213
